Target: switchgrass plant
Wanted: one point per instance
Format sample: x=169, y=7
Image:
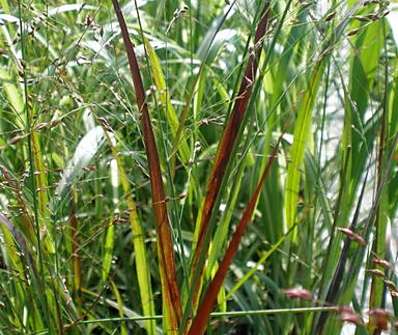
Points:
x=194, y=167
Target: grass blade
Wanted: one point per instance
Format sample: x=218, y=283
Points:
x=110, y=231
x=74, y=236
x=226, y=145
x=171, y=294
x=142, y=268
x=199, y=323
x=123, y=328
x=171, y=114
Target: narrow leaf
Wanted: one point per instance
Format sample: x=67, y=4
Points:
x=199, y=323
x=226, y=145
x=171, y=294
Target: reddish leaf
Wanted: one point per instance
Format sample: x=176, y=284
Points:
x=199, y=323
x=227, y=143
x=165, y=243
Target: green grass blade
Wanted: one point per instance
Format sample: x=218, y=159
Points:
x=142, y=267
x=165, y=99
